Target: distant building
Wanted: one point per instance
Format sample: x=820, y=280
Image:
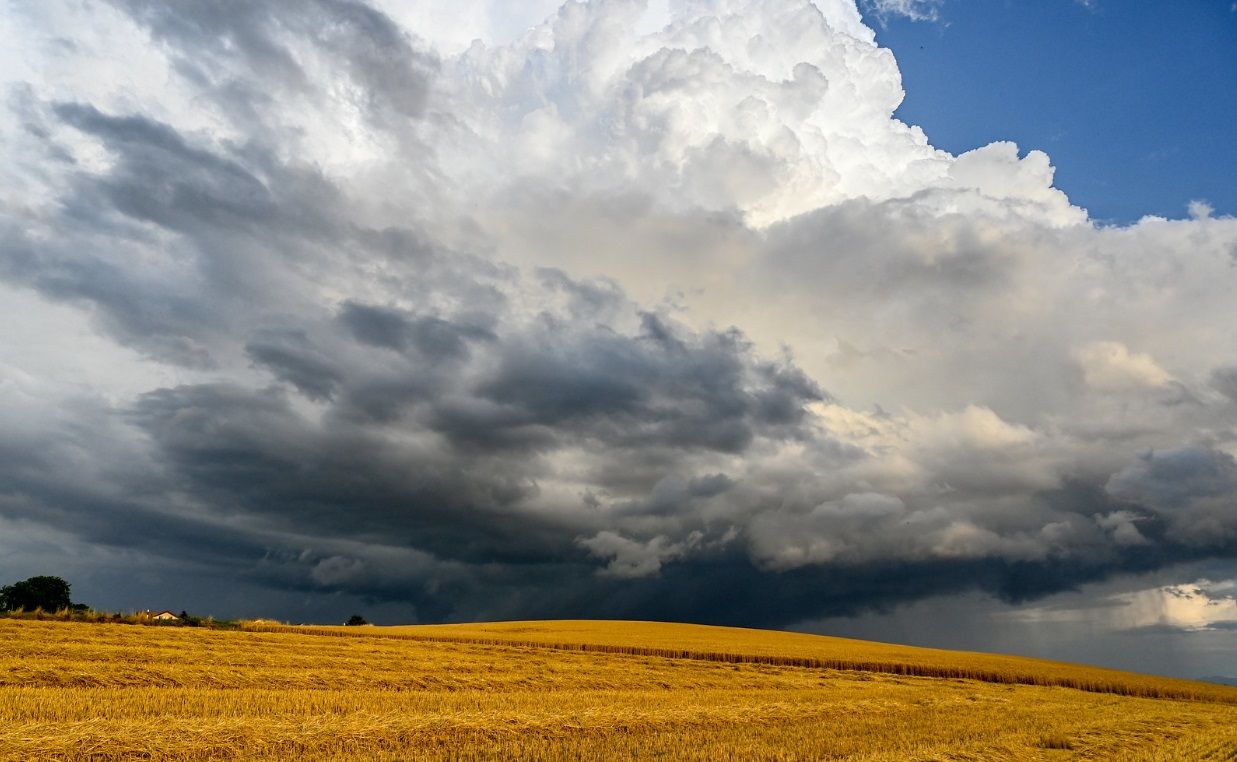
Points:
x=164, y=616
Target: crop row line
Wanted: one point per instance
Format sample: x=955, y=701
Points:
x=808, y=662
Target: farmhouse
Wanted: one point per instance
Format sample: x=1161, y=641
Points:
x=164, y=616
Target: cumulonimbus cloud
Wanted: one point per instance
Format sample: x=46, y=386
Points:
x=679, y=322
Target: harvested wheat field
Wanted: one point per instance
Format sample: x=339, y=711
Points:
x=572, y=690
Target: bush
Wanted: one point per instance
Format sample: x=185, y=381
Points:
x=356, y=619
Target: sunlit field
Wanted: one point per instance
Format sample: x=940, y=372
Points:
x=572, y=690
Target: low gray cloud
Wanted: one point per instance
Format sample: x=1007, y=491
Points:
x=238, y=53
x=1194, y=488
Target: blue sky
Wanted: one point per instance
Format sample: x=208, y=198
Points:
x=1134, y=101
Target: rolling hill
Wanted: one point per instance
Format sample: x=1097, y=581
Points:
x=572, y=690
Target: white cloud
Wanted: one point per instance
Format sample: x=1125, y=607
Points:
x=767, y=107
x=1200, y=210
x=1193, y=607
x=1111, y=366
x=631, y=559
x=1123, y=525
x=1201, y=605
x=832, y=531
x=337, y=570
x=916, y=10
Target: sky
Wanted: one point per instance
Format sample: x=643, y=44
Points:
x=675, y=310
x=1134, y=101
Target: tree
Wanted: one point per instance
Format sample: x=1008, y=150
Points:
x=47, y=593
x=355, y=619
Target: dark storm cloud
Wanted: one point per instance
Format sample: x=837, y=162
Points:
x=1192, y=488
x=478, y=393
x=374, y=403
x=438, y=421
x=1225, y=381
x=83, y=474
x=434, y=338
x=250, y=449
x=231, y=48
x=233, y=234
x=291, y=357
x=1177, y=477
x=658, y=388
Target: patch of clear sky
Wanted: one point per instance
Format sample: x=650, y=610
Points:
x=1134, y=100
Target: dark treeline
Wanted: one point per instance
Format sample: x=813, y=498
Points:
x=49, y=598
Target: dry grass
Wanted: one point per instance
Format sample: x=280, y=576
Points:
x=112, y=692
x=746, y=646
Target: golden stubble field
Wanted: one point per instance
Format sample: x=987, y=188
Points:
x=571, y=690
